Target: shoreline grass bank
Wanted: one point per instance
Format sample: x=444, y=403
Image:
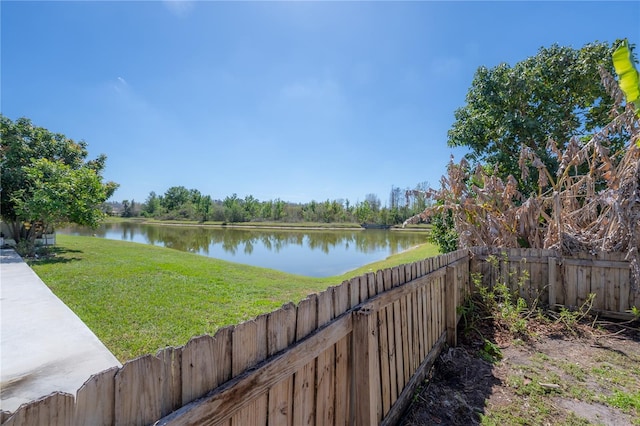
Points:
x=138, y=298
x=265, y=225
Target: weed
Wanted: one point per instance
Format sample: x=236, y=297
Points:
x=574, y=420
x=574, y=370
x=624, y=400
x=417, y=393
x=490, y=352
x=539, y=356
x=581, y=393
x=499, y=301
x=571, y=318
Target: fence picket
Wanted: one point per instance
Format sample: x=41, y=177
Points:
x=406, y=352
x=354, y=291
x=364, y=288
x=582, y=285
x=380, y=282
x=171, y=382
x=325, y=375
x=341, y=300
x=281, y=328
x=371, y=284
x=55, y=409
x=383, y=350
x=422, y=321
x=249, y=347
x=393, y=354
x=138, y=391
x=341, y=304
x=625, y=287
x=388, y=283
x=399, y=344
x=304, y=379
x=415, y=362
x=95, y=400
x=571, y=277
x=206, y=363
x=616, y=292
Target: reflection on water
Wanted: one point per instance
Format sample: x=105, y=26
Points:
x=305, y=252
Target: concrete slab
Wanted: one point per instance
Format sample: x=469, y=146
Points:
x=44, y=346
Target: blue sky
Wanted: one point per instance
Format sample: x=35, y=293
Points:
x=293, y=100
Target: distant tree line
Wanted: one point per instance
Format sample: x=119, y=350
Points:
x=180, y=203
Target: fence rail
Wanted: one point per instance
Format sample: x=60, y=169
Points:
x=353, y=354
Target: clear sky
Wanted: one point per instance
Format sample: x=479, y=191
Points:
x=293, y=100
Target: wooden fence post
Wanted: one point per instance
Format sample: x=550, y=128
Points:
x=366, y=370
x=451, y=306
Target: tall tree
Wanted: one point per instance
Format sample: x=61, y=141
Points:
x=175, y=197
x=203, y=208
x=130, y=208
x=374, y=202
x=151, y=204
x=395, y=197
x=46, y=179
x=234, y=209
x=556, y=94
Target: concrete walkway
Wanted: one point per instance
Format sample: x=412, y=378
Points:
x=44, y=346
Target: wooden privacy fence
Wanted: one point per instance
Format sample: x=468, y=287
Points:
x=353, y=354
x=348, y=355
x=561, y=280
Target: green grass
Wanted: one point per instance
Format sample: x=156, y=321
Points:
x=138, y=298
x=610, y=381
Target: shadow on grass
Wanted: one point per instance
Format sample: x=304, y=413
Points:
x=54, y=255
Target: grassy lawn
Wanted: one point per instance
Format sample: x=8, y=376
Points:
x=138, y=298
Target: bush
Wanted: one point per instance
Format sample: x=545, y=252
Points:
x=26, y=248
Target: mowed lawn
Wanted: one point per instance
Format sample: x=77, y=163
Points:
x=139, y=298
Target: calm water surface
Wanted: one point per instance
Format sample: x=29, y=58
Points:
x=304, y=252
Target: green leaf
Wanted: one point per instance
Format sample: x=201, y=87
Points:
x=629, y=79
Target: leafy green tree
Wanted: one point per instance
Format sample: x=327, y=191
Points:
x=204, y=207
x=556, y=94
x=443, y=232
x=310, y=212
x=364, y=212
x=194, y=196
x=175, y=197
x=151, y=204
x=251, y=206
x=234, y=209
x=130, y=208
x=46, y=179
x=327, y=213
x=277, y=211
x=126, y=209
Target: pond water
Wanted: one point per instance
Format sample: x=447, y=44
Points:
x=316, y=253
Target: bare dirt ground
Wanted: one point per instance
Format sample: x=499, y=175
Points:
x=557, y=375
